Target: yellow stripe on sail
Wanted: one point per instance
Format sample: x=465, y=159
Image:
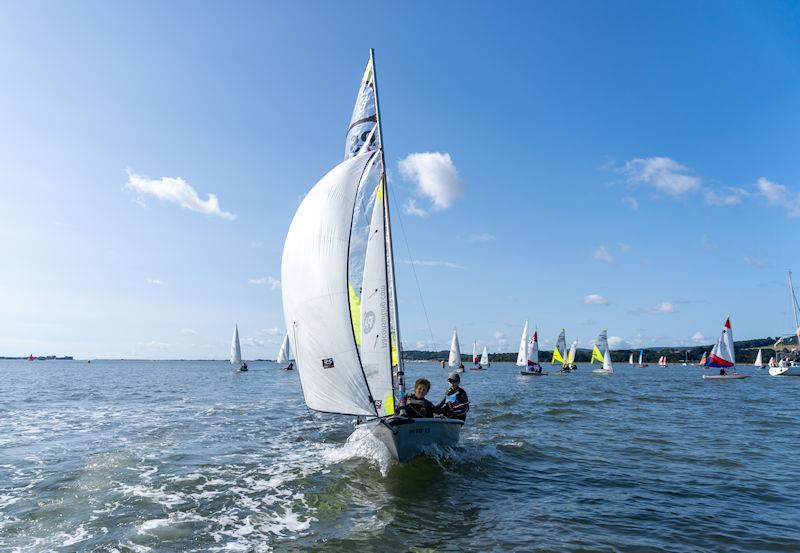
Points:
x=557, y=356
x=596, y=355
x=388, y=403
x=367, y=72
x=355, y=313
x=379, y=194
x=395, y=356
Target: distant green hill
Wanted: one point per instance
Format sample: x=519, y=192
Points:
x=746, y=351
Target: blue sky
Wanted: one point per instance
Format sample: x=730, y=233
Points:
x=643, y=153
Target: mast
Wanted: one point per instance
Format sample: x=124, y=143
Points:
x=794, y=305
x=401, y=380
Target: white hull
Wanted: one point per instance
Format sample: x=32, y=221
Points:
x=406, y=438
x=531, y=373
x=725, y=376
x=603, y=371
x=785, y=371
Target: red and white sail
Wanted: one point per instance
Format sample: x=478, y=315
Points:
x=722, y=355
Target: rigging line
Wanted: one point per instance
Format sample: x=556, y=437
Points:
x=413, y=268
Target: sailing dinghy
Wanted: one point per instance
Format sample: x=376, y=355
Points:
x=606, y=368
x=723, y=357
x=759, y=364
x=485, y=359
x=283, y=355
x=340, y=297
x=630, y=359
x=455, y=353
x=528, y=355
x=600, y=345
x=236, y=351
x=641, y=356
x=784, y=366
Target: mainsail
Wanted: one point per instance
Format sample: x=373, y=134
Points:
x=723, y=355
x=630, y=359
x=522, y=354
x=236, y=349
x=561, y=348
x=455, y=351
x=759, y=362
x=283, y=353
x=533, y=350
x=484, y=357
x=573, y=349
x=475, y=352
x=599, y=347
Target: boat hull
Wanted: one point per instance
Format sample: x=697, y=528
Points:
x=531, y=373
x=785, y=371
x=725, y=376
x=603, y=371
x=407, y=438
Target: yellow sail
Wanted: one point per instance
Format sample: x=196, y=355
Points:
x=557, y=356
x=355, y=313
x=596, y=355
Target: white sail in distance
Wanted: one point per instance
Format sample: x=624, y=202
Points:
x=533, y=349
x=484, y=357
x=236, y=349
x=455, y=351
x=283, y=353
x=759, y=362
x=522, y=354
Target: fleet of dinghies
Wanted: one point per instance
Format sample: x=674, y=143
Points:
x=343, y=322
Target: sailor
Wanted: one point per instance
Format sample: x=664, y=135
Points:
x=417, y=407
x=455, y=403
x=722, y=371
x=289, y=367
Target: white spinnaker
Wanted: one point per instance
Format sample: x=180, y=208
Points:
x=315, y=294
x=375, y=340
x=283, y=353
x=522, y=354
x=484, y=356
x=533, y=352
x=455, y=351
x=236, y=349
x=572, y=351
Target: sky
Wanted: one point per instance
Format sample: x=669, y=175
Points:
x=630, y=166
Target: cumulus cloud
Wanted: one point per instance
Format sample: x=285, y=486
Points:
x=154, y=281
x=631, y=202
x=662, y=173
x=499, y=334
x=436, y=178
x=433, y=264
x=482, y=237
x=176, y=190
x=779, y=195
x=624, y=248
x=731, y=196
x=595, y=299
x=615, y=341
x=274, y=331
x=601, y=254
x=253, y=342
x=274, y=283
x=410, y=208
x=698, y=337
x=665, y=307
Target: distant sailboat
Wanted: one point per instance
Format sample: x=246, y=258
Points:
x=785, y=367
x=485, y=358
x=475, y=353
x=703, y=360
x=686, y=358
x=630, y=359
x=560, y=350
x=600, y=345
x=31, y=357
x=723, y=356
x=455, y=353
x=662, y=361
x=759, y=364
x=236, y=351
x=573, y=349
x=641, y=356
x=340, y=294
x=283, y=355
x=528, y=355
x=606, y=368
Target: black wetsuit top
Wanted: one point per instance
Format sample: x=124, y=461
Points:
x=455, y=404
x=418, y=408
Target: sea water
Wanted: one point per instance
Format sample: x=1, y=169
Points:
x=192, y=456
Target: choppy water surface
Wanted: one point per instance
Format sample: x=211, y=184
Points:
x=190, y=456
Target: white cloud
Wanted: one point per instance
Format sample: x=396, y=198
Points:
x=177, y=190
x=435, y=175
x=274, y=331
x=154, y=281
x=615, y=341
x=753, y=262
x=188, y=331
x=631, y=202
x=595, y=299
x=779, y=195
x=274, y=283
x=499, y=334
x=433, y=264
x=601, y=254
x=410, y=208
x=731, y=196
x=253, y=342
x=624, y=248
x=482, y=237
x=662, y=173
x=698, y=337
x=665, y=307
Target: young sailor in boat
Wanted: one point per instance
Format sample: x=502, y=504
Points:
x=289, y=367
x=455, y=403
x=417, y=407
x=722, y=371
